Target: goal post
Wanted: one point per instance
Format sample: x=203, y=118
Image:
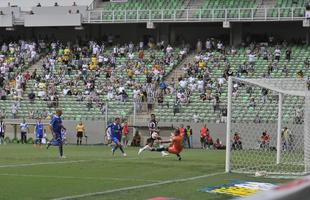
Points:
x=268, y=126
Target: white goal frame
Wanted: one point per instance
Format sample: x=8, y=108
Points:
x=298, y=88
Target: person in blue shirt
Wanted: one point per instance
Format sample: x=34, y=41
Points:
x=115, y=129
x=56, y=127
x=39, y=133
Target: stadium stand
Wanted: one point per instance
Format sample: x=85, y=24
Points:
x=214, y=67
x=143, y=6
x=79, y=80
x=220, y=5
x=286, y=8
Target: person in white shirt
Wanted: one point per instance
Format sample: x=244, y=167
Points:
x=14, y=110
x=122, y=51
x=141, y=45
x=277, y=54
x=169, y=49
x=208, y=45
x=251, y=57
x=130, y=47
x=131, y=55
x=100, y=60
x=110, y=94
x=200, y=85
x=95, y=49
x=183, y=83
x=220, y=46
x=196, y=117
x=23, y=131
x=221, y=81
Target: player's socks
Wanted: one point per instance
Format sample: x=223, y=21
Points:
x=114, y=149
x=163, y=153
x=61, y=151
x=144, y=148
x=179, y=157
x=122, y=150
x=48, y=145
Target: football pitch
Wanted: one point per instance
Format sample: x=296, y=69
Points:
x=91, y=172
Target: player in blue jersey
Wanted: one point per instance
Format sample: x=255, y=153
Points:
x=115, y=129
x=39, y=133
x=56, y=127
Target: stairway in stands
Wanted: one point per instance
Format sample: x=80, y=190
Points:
x=175, y=73
x=192, y=6
x=260, y=12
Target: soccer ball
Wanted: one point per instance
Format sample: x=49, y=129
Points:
x=154, y=135
x=260, y=173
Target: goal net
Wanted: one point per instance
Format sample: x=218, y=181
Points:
x=268, y=126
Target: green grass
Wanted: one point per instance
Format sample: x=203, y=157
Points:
x=95, y=170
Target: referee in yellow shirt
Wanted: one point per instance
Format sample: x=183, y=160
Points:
x=80, y=130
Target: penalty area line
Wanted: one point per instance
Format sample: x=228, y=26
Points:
x=138, y=186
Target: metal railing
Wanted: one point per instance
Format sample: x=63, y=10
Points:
x=92, y=5
x=196, y=15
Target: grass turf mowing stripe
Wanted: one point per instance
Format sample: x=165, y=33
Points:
x=138, y=186
x=83, y=178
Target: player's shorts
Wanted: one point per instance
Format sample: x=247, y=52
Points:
x=115, y=140
x=2, y=134
x=58, y=136
x=38, y=141
x=174, y=151
x=79, y=134
x=109, y=136
x=39, y=136
x=150, y=141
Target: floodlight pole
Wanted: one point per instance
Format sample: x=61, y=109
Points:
x=228, y=124
x=279, y=130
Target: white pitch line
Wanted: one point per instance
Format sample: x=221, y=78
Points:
x=42, y=163
x=83, y=178
x=66, y=162
x=137, y=187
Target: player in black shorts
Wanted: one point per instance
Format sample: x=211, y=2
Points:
x=154, y=135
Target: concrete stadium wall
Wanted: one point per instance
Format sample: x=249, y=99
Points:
x=26, y=5
x=59, y=10
x=6, y=20
x=249, y=132
x=48, y=20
